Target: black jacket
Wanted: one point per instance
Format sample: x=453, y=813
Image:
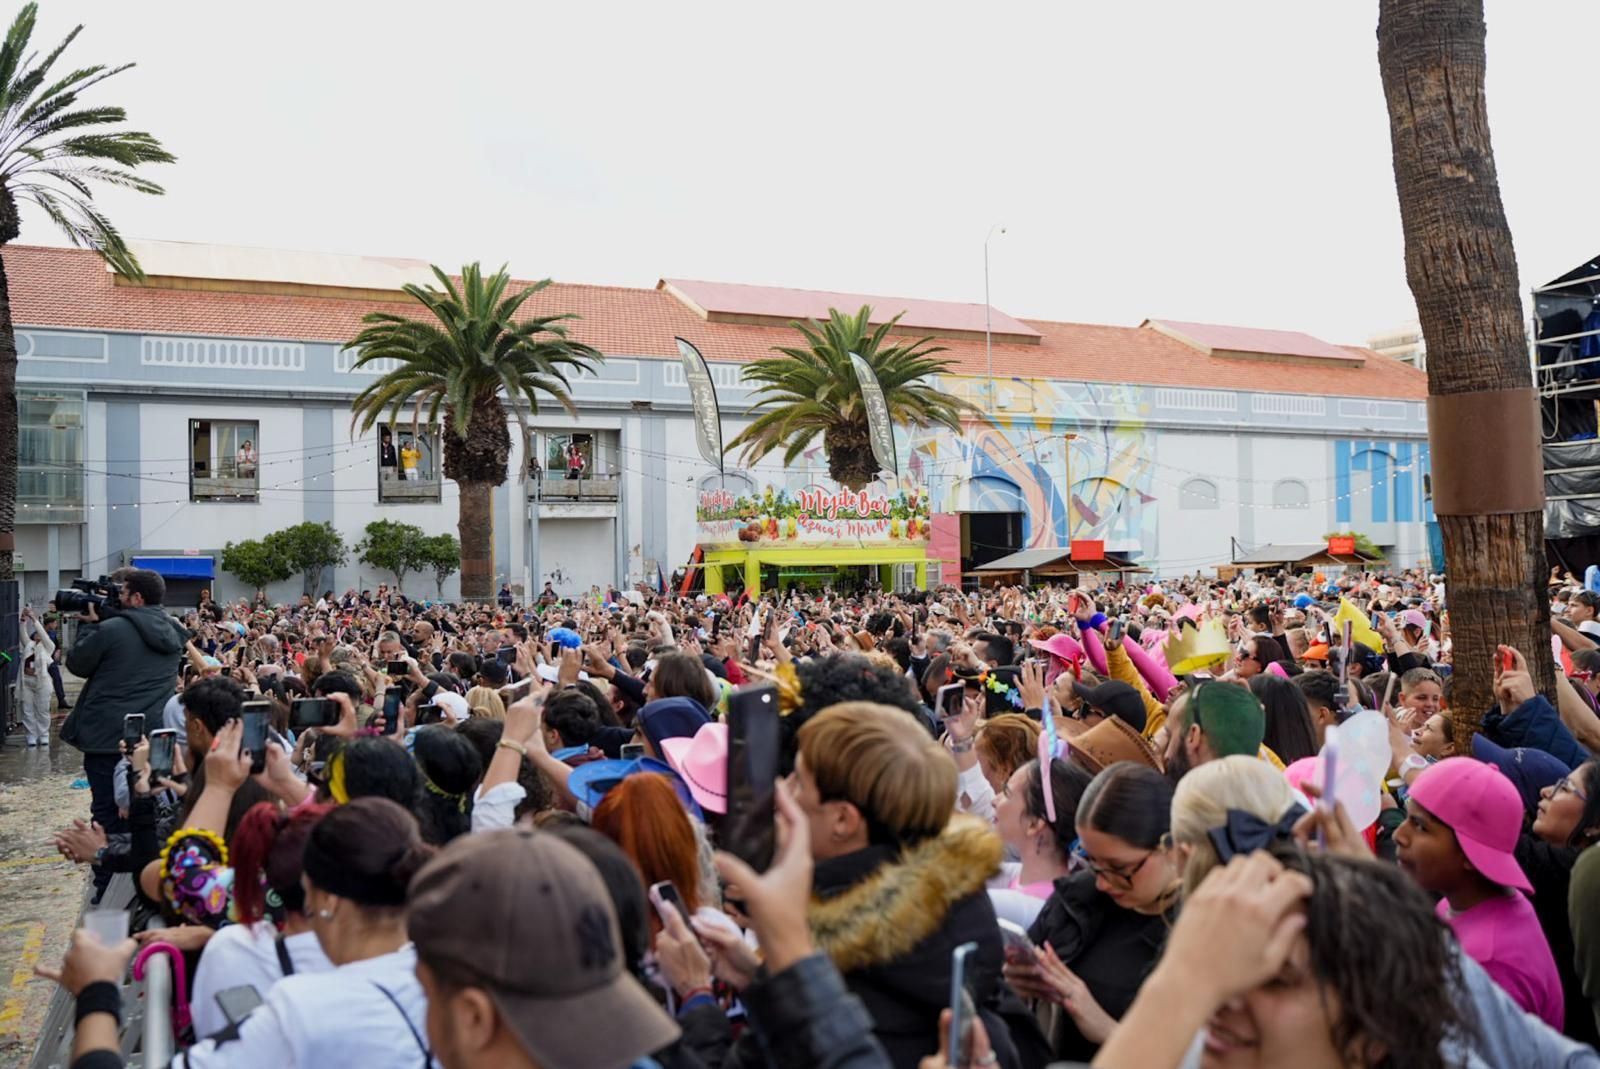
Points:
x=130, y=663
x=1110, y=948
x=889, y=921
x=1549, y=869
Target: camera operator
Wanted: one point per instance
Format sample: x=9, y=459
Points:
x=129, y=664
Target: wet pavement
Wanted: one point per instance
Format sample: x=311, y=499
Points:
x=41, y=893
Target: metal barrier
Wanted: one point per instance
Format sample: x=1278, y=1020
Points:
x=147, y=1039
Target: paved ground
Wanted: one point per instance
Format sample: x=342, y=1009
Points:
x=40, y=894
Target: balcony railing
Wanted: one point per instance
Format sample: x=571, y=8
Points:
x=557, y=489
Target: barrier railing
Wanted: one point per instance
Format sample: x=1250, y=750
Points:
x=146, y=1040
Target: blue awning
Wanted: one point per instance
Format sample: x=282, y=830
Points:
x=177, y=567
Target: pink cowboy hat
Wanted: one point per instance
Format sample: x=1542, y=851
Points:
x=702, y=763
x=1060, y=645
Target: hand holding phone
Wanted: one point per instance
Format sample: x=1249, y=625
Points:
x=132, y=729
x=665, y=898
x=749, y=831
x=254, y=740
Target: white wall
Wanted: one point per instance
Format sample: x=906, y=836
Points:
x=582, y=549
x=1310, y=461
x=1195, y=539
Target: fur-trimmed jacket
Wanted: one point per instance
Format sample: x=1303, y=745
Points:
x=889, y=921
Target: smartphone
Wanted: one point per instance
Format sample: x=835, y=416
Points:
x=757, y=626
x=555, y=651
x=632, y=751
x=227, y=671
x=132, y=729
x=506, y=654
x=237, y=1003
x=393, y=698
x=429, y=714
x=1014, y=937
x=163, y=742
x=1508, y=661
x=958, y=1042
x=254, y=740
x=665, y=897
x=313, y=713
x=749, y=831
x=949, y=700
x=398, y=669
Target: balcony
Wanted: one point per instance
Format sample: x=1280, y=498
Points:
x=554, y=490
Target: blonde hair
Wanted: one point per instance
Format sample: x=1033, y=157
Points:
x=879, y=760
x=1205, y=795
x=485, y=701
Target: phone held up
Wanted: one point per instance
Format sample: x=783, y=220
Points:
x=132, y=729
x=313, y=713
x=163, y=744
x=958, y=1044
x=393, y=698
x=665, y=898
x=254, y=741
x=749, y=830
x=949, y=700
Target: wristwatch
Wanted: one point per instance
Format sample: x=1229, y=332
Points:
x=1414, y=763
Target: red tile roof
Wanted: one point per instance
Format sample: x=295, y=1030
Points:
x=70, y=288
x=771, y=302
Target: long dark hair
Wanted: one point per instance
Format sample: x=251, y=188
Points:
x=366, y=851
x=1588, y=827
x=1289, y=731
x=1068, y=783
x=450, y=768
x=1400, y=997
x=1130, y=801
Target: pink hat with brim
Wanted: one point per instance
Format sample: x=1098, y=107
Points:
x=702, y=763
x=1060, y=645
x=1483, y=808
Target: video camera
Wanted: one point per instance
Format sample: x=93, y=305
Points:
x=102, y=593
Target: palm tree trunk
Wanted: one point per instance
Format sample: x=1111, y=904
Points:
x=8, y=412
x=476, y=530
x=1482, y=412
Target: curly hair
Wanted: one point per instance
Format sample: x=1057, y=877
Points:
x=1399, y=997
x=840, y=678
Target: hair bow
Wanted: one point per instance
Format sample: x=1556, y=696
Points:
x=1245, y=833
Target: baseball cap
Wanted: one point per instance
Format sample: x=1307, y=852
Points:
x=1413, y=618
x=1230, y=717
x=495, y=672
x=589, y=782
x=938, y=609
x=1303, y=601
x=542, y=939
x=702, y=764
x=1529, y=769
x=1114, y=698
x=1483, y=808
x=454, y=705
x=568, y=638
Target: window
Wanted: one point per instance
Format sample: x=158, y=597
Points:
x=409, y=463
x=224, y=459
x=1290, y=494
x=49, y=456
x=1197, y=494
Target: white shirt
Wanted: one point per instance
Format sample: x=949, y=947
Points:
x=974, y=794
x=497, y=807
x=1590, y=628
x=330, y=1020
x=247, y=954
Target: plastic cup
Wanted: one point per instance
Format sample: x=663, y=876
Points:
x=109, y=926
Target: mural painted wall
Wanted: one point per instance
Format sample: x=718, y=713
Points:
x=1012, y=460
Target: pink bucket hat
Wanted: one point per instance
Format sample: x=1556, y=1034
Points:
x=1483, y=808
x=702, y=763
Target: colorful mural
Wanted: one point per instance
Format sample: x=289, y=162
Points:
x=1012, y=461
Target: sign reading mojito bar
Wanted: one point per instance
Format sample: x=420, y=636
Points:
x=876, y=516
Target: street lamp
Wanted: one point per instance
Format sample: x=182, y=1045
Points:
x=988, y=344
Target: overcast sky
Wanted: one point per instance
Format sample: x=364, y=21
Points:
x=1225, y=162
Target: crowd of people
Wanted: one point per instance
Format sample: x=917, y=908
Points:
x=1199, y=823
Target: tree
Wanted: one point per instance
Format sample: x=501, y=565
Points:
x=393, y=547
x=258, y=562
x=53, y=154
x=468, y=361
x=442, y=553
x=1482, y=413
x=312, y=548
x=813, y=390
x=1364, y=545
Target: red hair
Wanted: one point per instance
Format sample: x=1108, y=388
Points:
x=642, y=815
x=267, y=849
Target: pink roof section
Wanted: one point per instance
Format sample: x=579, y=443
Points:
x=1211, y=337
x=770, y=302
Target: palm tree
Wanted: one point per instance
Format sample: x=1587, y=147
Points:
x=467, y=361
x=1463, y=273
x=52, y=155
x=813, y=390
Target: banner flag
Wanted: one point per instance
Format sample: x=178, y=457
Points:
x=703, y=393
x=879, y=425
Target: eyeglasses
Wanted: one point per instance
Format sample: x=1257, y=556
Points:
x=1123, y=875
x=1566, y=784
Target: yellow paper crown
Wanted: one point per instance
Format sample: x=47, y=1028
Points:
x=1190, y=649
